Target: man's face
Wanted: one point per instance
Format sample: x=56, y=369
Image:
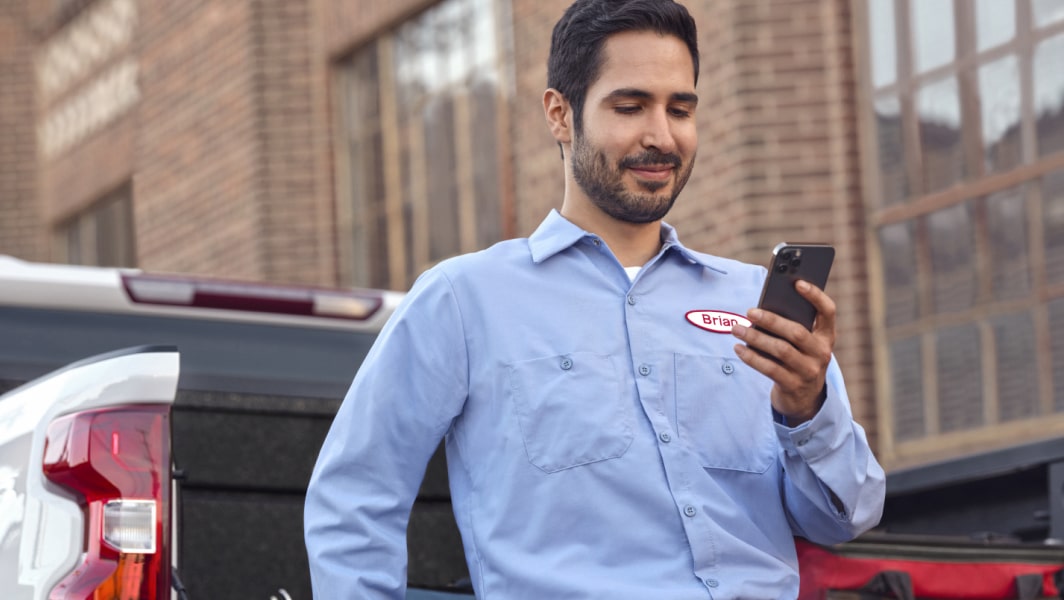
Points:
x=634, y=153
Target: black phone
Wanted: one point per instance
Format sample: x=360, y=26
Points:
x=791, y=262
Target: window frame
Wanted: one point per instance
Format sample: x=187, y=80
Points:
x=411, y=219
x=975, y=188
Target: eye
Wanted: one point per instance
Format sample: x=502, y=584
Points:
x=627, y=109
x=681, y=113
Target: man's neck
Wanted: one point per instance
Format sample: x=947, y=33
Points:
x=634, y=244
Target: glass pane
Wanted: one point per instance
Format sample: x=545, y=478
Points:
x=1047, y=12
x=894, y=182
x=960, y=378
x=933, y=28
x=1006, y=214
x=999, y=97
x=74, y=254
x=446, y=56
x=1056, y=340
x=1017, y=367
x=995, y=22
x=939, y=113
x=442, y=172
x=486, y=168
x=908, y=389
x=114, y=230
x=364, y=153
x=1053, y=223
x=884, y=42
x=898, y=249
x=1049, y=95
x=953, y=274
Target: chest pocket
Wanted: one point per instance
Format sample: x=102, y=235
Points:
x=570, y=410
x=724, y=412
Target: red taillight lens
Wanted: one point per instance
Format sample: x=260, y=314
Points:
x=118, y=462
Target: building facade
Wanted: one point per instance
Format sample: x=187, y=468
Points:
x=357, y=142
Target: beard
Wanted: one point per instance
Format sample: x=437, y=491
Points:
x=604, y=183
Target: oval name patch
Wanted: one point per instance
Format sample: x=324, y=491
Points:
x=717, y=321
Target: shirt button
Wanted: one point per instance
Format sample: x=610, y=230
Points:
x=802, y=442
x=631, y=300
x=567, y=363
x=712, y=583
x=665, y=437
x=597, y=242
x=690, y=510
x=644, y=370
x=728, y=368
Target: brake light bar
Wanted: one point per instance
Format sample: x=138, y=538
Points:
x=117, y=462
x=177, y=290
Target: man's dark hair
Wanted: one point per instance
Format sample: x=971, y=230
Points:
x=576, y=44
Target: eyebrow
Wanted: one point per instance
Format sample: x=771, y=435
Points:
x=635, y=93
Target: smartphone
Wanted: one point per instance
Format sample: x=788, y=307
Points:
x=791, y=262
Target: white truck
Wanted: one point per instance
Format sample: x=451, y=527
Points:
x=159, y=431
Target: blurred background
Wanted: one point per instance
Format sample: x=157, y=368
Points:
x=356, y=142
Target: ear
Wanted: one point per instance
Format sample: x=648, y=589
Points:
x=559, y=115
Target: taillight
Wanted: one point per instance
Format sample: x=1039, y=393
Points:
x=178, y=290
x=118, y=462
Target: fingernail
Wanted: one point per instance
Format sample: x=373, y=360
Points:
x=803, y=286
x=755, y=313
x=738, y=330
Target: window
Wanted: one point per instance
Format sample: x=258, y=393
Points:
x=426, y=148
x=964, y=117
x=103, y=235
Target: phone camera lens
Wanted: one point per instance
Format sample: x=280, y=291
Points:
x=795, y=262
x=782, y=267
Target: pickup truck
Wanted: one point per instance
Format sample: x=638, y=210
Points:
x=158, y=433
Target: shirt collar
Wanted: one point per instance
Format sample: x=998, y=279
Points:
x=556, y=233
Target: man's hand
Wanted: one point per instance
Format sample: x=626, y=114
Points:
x=803, y=355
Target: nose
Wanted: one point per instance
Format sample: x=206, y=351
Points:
x=657, y=132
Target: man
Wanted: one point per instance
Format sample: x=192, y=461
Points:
x=598, y=444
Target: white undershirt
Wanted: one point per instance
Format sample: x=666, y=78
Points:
x=632, y=272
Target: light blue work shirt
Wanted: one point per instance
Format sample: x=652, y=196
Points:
x=599, y=443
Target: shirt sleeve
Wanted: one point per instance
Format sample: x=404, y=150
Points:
x=833, y=486
x=407, y=392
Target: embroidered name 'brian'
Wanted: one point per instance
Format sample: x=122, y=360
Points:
x=717, y=321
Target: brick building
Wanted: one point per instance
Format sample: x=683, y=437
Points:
x=355, y=142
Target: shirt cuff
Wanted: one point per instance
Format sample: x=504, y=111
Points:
x=816, y=436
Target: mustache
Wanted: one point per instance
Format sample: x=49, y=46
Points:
x=650, y=157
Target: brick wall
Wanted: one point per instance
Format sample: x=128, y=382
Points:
x=21, y=228
x=348, y=24
x=195, y=190
x=291, y=69
x=232, y=148
x=538, y=176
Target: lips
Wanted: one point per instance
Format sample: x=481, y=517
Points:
x=656, y=172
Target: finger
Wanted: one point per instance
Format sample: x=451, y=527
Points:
x=822, y=302
x=804, y=358
x=794, y=333
x=768, y=367
x=774, y=349
x=786, y=383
